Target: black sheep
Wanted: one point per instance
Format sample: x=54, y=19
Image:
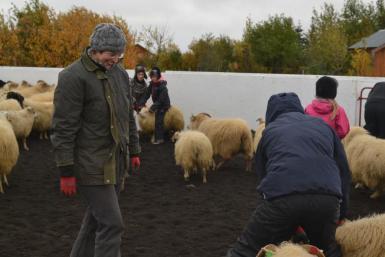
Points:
x=16, y=96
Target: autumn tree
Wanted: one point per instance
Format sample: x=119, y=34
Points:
x=327, y=51
x=35, y=35
x=361, y=64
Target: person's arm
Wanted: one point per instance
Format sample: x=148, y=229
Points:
x=68, y=107
x=66, y=122
x=342, y=163
x=134, y=147
x=260, y=160
x=342, y=123
x=143, y=100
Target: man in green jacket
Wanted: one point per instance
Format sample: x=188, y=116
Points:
x=94, y=134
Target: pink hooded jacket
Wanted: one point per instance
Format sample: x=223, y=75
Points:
x=322, y=108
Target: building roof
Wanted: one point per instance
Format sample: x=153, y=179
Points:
x=373, y=41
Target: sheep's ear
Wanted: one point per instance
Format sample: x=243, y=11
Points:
x=7, y=116
x=192, y=118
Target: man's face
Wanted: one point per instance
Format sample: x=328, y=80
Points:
x=107, y=59
x=140, y=76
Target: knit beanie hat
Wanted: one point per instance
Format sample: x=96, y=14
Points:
x=326, y=87
x=108, y=37
x=155, y=71
x=140, y=68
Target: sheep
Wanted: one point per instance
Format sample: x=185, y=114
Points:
x=173, y=120
x=10, y=105
x=9, y=150
x=228, y=137
x=28, y=91
x=363, y=237
x=43, y=118
x=366, y=157
x=193, y=151
x=16, y=96
x=43, y=97
x=22, y=123
x=287, y=249
x=258, y=133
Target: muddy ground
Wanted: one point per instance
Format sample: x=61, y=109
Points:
x=163, y=216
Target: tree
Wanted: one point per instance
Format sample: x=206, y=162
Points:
x=35, y=35
x=361, y=64
x=358, y=20
x=327, y=51
x=210, y=53
x=275, y=44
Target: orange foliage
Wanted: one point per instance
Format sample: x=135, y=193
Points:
x=37, y=36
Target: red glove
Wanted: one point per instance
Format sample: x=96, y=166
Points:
x=341, y=222
x=135, y=162
x=68, y=185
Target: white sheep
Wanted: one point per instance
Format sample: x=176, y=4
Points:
x=366, y=157
x=27, y=91
x=287, y=249
x=258, y=133
x=173, y=120
x=43, y=118
x=9, y=150
x=22, y=123
x=43, y=97
x=228, y=136
x=193, y=151
x=363, y=237
x=10, y=105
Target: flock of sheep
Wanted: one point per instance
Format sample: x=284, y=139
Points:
x=205, y=146
x=209, y=137
x=23, y=108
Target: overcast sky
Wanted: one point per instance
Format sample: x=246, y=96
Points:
x=189, y=19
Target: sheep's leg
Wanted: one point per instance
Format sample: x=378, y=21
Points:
x=186, y=175
x=220, y=164
x=25, y=144
x=1, y=185
x=152, y=138
x=46, y=135
x=358, y=185
x=376, y=195
x=204, y=171
x=5, y=180
x=41, y=136
x=248, y=164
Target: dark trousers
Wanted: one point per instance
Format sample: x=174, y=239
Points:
x=375, y=118
x=159, y=127
x=101, y=231
x=275, y=221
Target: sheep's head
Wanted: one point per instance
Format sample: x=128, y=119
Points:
x=31, y=111
x=261, y=121
x=354, y=132
x=41, y=84
x=175, y=137
x=196, y=120
x=25, y=84
x=144, y=112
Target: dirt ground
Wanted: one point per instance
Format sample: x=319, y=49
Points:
x=163, y=216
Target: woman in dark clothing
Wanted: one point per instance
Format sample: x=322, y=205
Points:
x=161, y=102
x=138, y=84
x=375, y=111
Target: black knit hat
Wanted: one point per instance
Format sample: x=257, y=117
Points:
x=155, y=71
x=326, y=87
x=140, y=68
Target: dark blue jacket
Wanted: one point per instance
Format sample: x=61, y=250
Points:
x=159, y=95
x=300, y=154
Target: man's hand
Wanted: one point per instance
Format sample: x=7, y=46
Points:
x=135, y=162
x=67, y=180
x=68, y=186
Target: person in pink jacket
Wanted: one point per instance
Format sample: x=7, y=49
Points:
x=326, y=108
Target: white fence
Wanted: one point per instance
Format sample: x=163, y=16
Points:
x=227, y=94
